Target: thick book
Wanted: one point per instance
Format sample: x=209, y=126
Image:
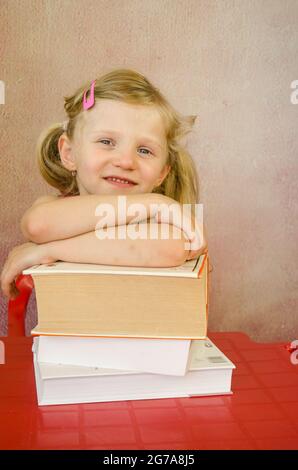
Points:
x=163, y=356
x=210, y=373
x=116, y=301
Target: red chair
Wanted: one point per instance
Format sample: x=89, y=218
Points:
x=17, y=307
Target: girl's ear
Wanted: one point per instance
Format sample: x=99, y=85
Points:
x=66, y=154
x=164, y=173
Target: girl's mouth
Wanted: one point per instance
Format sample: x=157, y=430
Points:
x=120, y=183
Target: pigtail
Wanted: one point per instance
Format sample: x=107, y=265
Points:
x=49, y=162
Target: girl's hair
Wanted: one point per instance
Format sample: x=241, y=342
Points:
x=131, y=87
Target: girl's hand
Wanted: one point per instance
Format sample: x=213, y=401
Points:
x=172, y=212
x=22, y=257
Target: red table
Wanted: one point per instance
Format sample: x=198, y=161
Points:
x=261, y=414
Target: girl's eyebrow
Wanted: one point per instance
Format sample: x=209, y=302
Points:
x=110, y=131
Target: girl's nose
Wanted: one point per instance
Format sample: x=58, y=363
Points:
x=126, y=159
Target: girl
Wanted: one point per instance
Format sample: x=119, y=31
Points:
x=122, y=138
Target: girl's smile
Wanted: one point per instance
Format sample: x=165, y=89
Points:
x=119, y=182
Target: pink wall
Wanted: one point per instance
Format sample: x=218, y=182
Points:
x=229, y=62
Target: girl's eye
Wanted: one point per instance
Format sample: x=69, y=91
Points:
x=147, y=151
x=142, y=148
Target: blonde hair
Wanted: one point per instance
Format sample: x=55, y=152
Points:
x=131, y=87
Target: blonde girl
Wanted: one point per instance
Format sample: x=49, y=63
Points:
x=121, y=138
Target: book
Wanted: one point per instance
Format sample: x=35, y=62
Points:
x=161, y=356
x=75, y=299
x=210, y=373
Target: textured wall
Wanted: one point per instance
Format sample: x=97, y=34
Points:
x=231, y=63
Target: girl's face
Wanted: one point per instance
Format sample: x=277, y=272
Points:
x=117, y=140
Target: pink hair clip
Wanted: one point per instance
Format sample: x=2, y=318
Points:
x=90, y=102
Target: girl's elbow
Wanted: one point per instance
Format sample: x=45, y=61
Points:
x=31, y=230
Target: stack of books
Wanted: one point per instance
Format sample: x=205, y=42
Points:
x=108, y=333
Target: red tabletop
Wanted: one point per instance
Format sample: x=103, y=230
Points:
x=261, y=414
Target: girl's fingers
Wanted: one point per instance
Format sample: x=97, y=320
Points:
x=5, y=287
x=8, y=285
x=11, y=269
x=193, y=233
x=14, y=292
x=3, y=282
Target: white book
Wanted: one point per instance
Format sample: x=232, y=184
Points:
x=210, y=373
x=163, y=356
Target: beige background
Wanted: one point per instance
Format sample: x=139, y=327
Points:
x=231, y=63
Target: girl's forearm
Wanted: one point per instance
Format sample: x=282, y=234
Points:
x=87, y=248
x=72, y=216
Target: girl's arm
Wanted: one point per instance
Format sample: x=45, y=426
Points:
x=68, y=217
x=51, y=218
x=24, y=223
x=87, y=248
